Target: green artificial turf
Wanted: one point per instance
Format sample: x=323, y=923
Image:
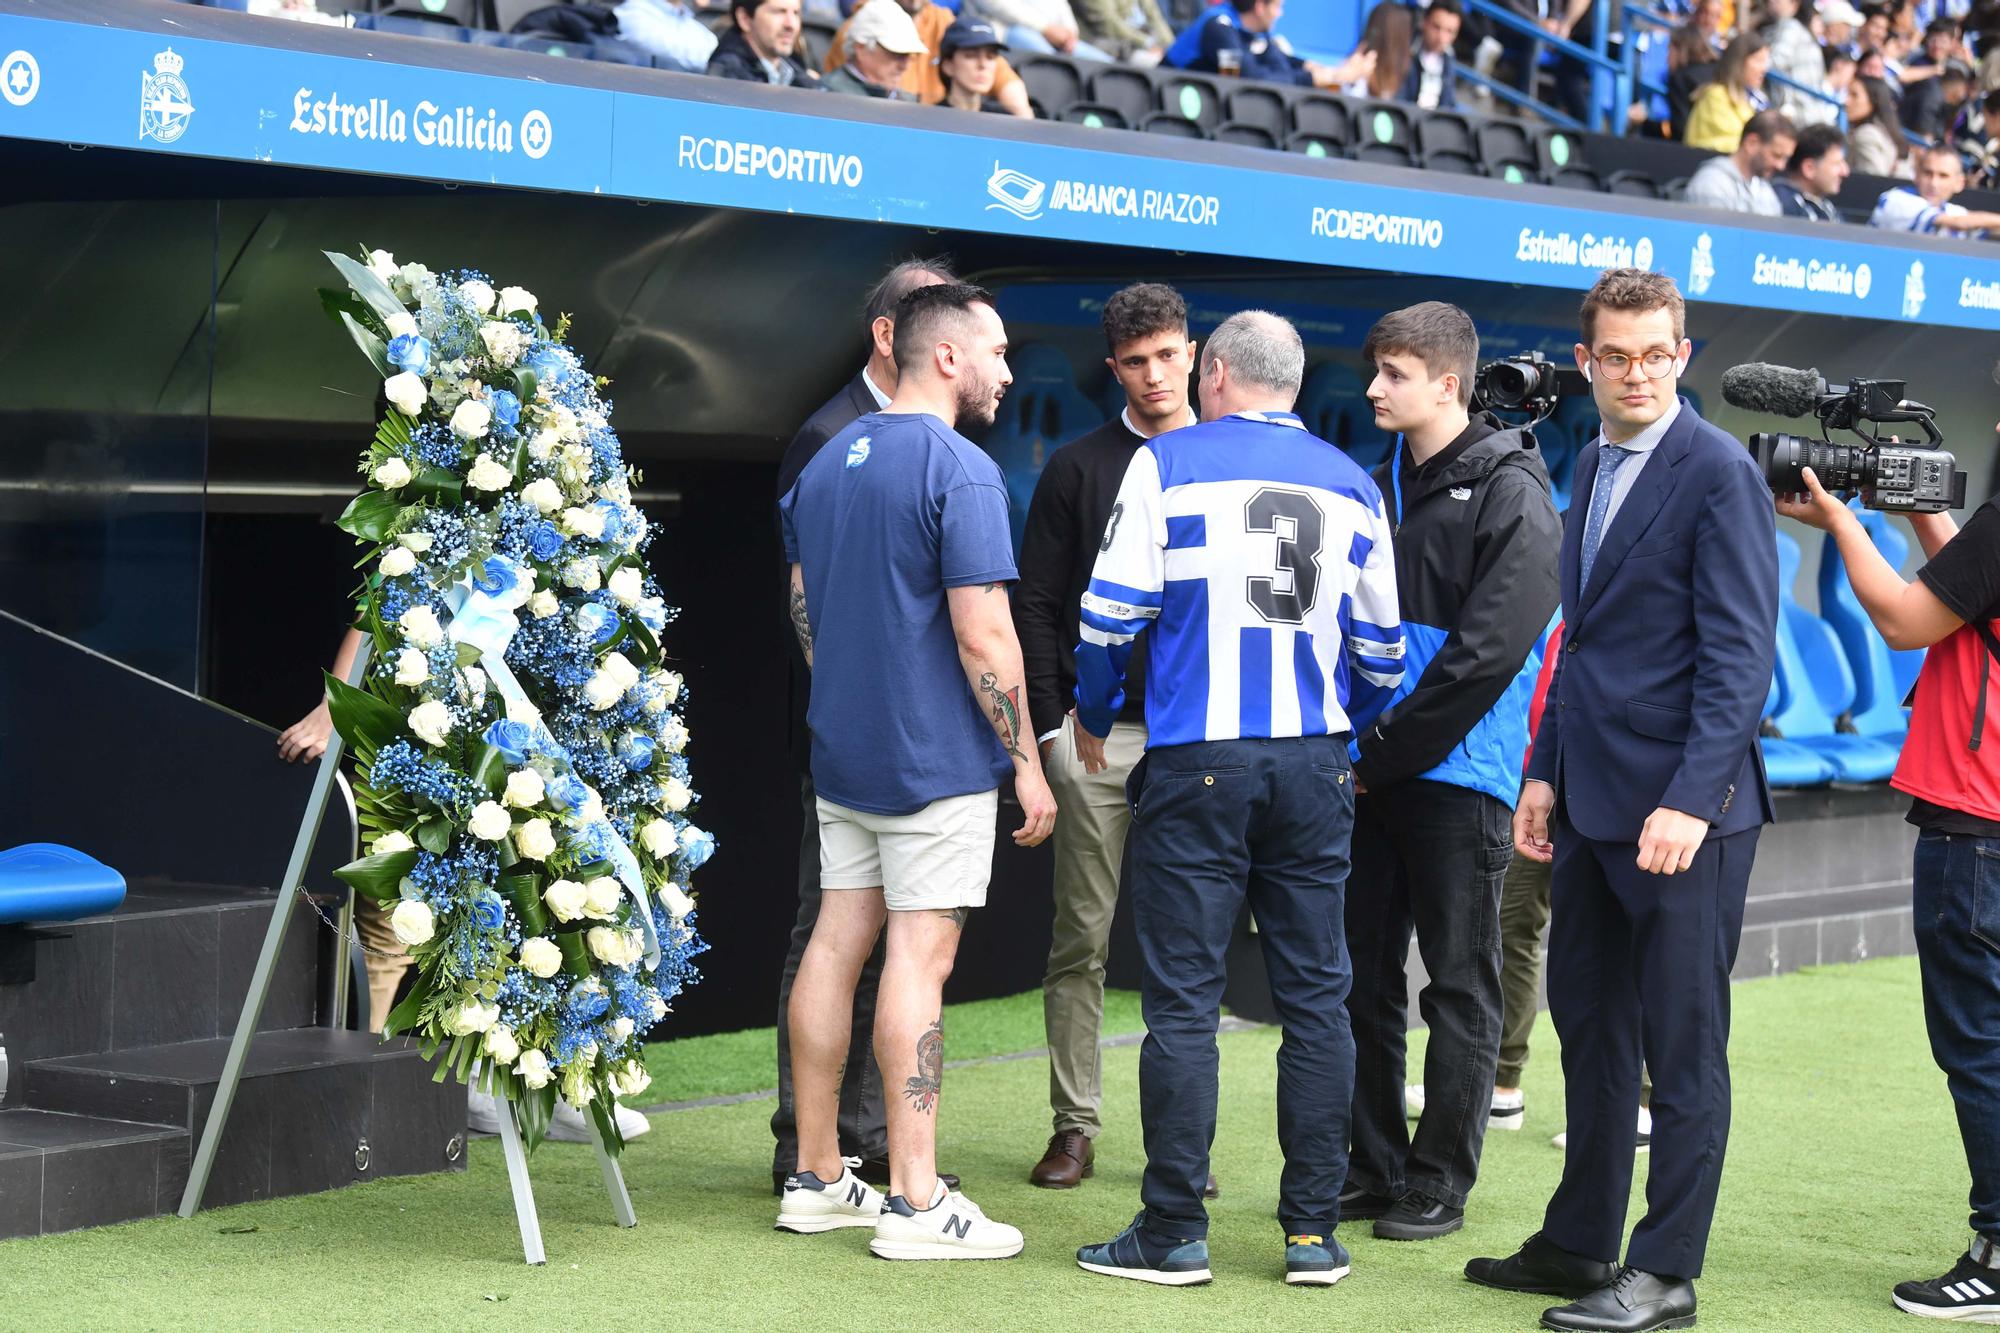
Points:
x=1844, y=1177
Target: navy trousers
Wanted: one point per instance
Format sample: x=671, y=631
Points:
x=1638, y=970
x=1214, y=824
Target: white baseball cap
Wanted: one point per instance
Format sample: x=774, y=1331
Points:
x=1839, y=11
x=884, y=23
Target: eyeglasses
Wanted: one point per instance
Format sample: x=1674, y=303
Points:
x=1656, y=365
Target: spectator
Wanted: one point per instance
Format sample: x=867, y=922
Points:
x=1741, y=182
x=1238, y=33
x=669, y=29
x=1731, y=98
x=1932, y=107
x=758, y=46
x=1814, y=175
x=1135, y=31
x=1838, y=21
x=1558, y=18
x=923, y=80
x=1977, y=138
x=1875, y=30
x=1926, y=206
x=1388, y=35
x=1710, y=21
x=1874, y=134
x=882, y=44
x=1840, y=73
x=1433, y=77
x=1045, y=26
x=1796, y=55
x=1691, y=64
x=970, y=60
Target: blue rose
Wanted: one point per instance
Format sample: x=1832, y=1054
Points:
x=696, y=851
x=652, y=614
x=411, y=352
x=568, y=791
x=505, y=406
x=547, y=363
x=514, y=740
x=487, y=913
x=544, y=540
x=597, y=621
x=589, y=1002
x=497, y=576
x=636, y=751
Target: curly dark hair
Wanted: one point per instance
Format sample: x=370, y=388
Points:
x=1141, y=310
x=1633, y=289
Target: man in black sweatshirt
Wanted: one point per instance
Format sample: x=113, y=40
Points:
x=1145, y=327
x=1477, y=542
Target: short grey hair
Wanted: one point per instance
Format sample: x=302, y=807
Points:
x=1260, y=349
x=903, y=279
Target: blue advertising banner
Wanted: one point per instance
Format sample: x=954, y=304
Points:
x=123, y=88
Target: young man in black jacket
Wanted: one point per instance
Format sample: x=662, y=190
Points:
x=760, y=45
x=1145, y=328
x=1477, y=541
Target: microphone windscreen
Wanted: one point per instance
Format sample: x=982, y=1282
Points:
x=1778, y=390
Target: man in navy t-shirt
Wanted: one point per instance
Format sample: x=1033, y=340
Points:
x=900, y=548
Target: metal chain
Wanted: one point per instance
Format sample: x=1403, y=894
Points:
x=334, y=926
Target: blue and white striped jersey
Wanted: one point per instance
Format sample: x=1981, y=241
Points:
x=1260, y=556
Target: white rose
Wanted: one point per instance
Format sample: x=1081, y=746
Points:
x=584, y=575
x=534, y=1069
x=607, y=946
x=475, y=685
x=630, y=1079
x=617, y=488
x=601, y=691
x=490, y=822
x=592, y=809
x=577, y=1088
x=393, y=475
x=393, y=841
x=412, y=668
x=517, y=301
x=406, y=392
x=397, y=561
x=540, y=957
x=656, y=1007
x=382, y=264
x=541, y=444
x=412, y=922
x=486, y=474
x=628, y=585
x=670, y=685
x=656, y=702
x=674, y=898
x=502, y=1045
x=543, y=494
x=431, y=721
x=620, y=668
x=504, y=342
x=562, y=421
x=401, y=324
x=676, y=795
x=600, y=898
x=674, y=735
x=520, y=710
x=420, y=626
x=525, y=789
x=535, y=840
x=620, y=1030
x=472, y=419
x=657, y=836
x=415, y=541
x=566, y=900
x=477, y=294
x=691, y=835
x=586, y=523
x=544, y=604
x=471, y=1017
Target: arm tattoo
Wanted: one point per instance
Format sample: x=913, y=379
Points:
x=995, y=587
x=1006, y=705
x=959, y=916
x=922, y=1088
x=800, y=626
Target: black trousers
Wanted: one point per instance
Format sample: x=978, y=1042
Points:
x=1428, y=856
x=864, y=1126
x=1638, y=968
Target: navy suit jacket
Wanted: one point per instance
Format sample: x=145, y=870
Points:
x=1668, y=653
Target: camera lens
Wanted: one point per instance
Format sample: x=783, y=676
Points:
x=1839, y=467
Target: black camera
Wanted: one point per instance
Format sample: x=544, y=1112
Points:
x=1888, y=475
x=1528, y=382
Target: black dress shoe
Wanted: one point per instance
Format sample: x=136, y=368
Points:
x=1633, y=1302
x=1359, y=1205
x=1211, y=1190
x=875, y=1170
x=1416, y=1218
x=1544, y=1268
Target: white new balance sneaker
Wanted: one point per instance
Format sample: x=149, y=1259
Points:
x=953, y=1227
x=810, y=1205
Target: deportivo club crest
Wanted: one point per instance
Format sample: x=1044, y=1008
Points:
x=164, y=104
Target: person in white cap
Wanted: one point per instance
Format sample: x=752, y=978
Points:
x=881, y=42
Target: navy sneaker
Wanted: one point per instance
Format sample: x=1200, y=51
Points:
x=1130, y=1254
x=1314, y=1261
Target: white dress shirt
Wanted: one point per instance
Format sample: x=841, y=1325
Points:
x=1641, y=444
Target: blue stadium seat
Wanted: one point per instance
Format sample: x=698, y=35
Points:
x=1333, y=403
x=1878, y=697
x=409, y=27
x=1043, y=411
x=539, y=43
x=43, y=881
x=1815, y=686
x=1787, y=763
x=619, y=53
x=1558, y=448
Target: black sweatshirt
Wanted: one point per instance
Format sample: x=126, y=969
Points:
x=1066, y=522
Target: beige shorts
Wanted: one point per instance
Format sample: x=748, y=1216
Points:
x=939, y=858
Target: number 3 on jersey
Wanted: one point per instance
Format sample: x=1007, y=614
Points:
x=1288, y=593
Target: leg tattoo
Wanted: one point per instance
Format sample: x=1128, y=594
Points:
x=922, y=1088
x=959, y=916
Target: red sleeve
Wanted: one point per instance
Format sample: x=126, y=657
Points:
x=1541, y=696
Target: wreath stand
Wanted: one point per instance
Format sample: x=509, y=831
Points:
x=253, y=1008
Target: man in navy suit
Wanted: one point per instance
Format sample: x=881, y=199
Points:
x=1646, y=788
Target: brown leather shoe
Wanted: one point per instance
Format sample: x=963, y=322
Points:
x=1211, y=1190
x=1066, y=1163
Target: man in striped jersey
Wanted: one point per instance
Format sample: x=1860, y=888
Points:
x=1257, y=559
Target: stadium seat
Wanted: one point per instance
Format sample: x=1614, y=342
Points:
x=1556, y=442
x=1556, y=151
x=1313, y=145
x=1192, y=97
x=44, y=881
x=1042, y=411
x=1676, y=189
x=1815, y=686
x=1575, y=178
x=539, y=43
x=1445, y=160
x=403, y=26
x=1879, y=688
x=617, y=52
x=506, y=13
x=1052, y=82
x=470, y=13
x=1333, y=403
x=1126, y=91
x=816, y=35
x=1172, y=123
x=1093, y=114
x=1384, y=155
x=1786, y=763
x=1265, y=107
x=1384, y=124
x=1325, y=118
x=1635, y=183
x=1254, y=136
x=1506, y=151
x=1445, y=132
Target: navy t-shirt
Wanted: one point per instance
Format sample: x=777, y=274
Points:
x=894, y=510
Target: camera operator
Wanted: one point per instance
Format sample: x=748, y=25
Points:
x=1954, y=782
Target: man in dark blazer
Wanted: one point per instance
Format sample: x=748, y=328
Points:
x=1646, y=787
x=864, y=1131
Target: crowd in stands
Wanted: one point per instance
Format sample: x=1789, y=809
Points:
x=1791, y=95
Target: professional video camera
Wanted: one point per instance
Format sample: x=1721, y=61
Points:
x=1528, y=382
x=1888, y=475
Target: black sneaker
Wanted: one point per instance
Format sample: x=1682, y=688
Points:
x=1416, y=1218
x=1359, y=1205
x=1969, y=1292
